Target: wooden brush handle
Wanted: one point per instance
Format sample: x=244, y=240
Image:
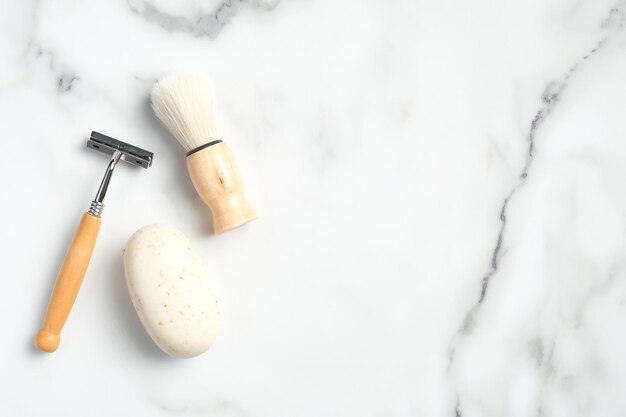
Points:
x=217, y=180
x=68, y=282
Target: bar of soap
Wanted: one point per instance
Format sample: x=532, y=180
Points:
x=171, y=290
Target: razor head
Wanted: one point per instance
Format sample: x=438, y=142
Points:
x=130, y=153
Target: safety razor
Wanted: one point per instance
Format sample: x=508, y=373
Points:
x=77, y=258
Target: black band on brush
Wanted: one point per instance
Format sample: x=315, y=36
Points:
x=206, y=145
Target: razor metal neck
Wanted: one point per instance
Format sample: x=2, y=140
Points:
x=104, y=185
x=97, y=205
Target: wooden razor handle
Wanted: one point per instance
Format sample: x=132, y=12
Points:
x=68, y=282
x=217, y=180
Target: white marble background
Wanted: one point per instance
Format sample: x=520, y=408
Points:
x=443, y=199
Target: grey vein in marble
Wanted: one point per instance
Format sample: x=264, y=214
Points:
x=550, y=98
x=34, y=50
x=457, y=410
x=65, y=79
x=203, y=24
x=66, y=82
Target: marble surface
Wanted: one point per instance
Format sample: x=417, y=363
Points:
x=442, y=191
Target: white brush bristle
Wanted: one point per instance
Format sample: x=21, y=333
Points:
x=185, y=104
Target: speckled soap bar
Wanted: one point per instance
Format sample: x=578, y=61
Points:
x=171, y=290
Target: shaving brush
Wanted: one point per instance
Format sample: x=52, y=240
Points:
x=185, y=104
